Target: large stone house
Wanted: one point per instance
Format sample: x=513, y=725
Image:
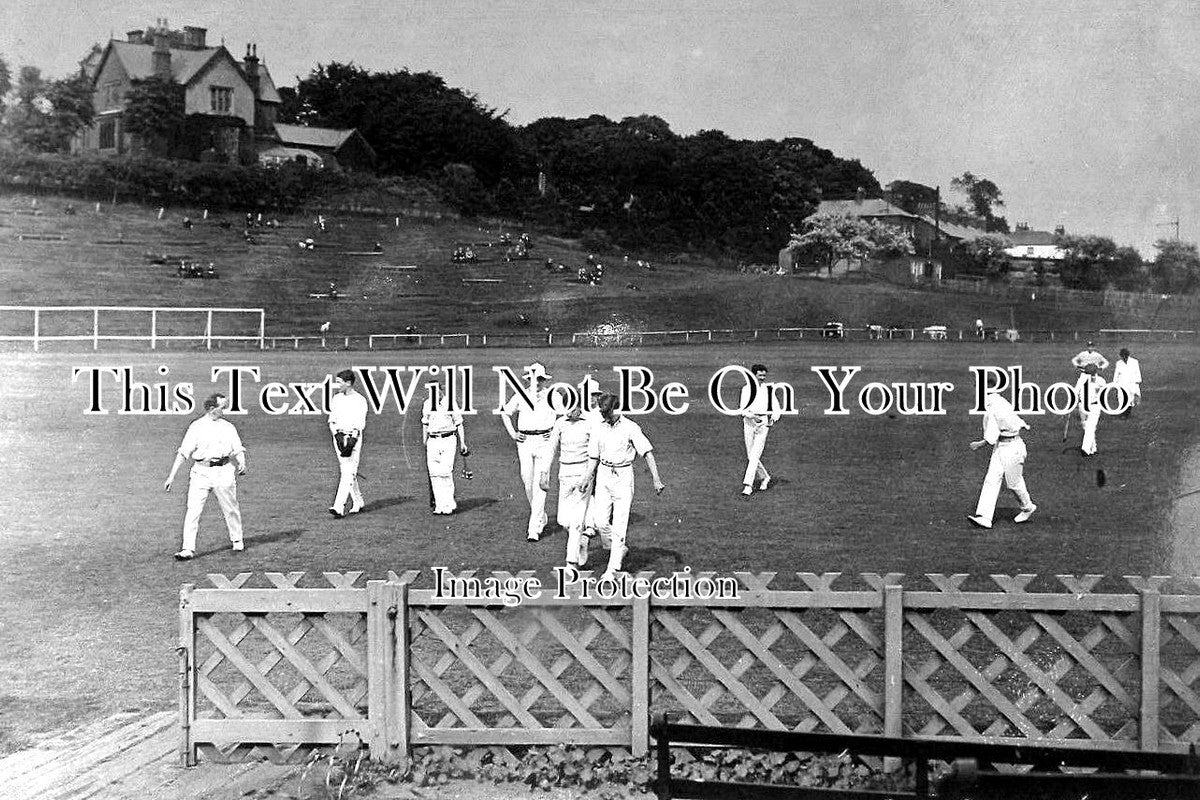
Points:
x=230, y=105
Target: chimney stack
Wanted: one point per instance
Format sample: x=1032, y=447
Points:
x=161, y=58
x=250, y=65
x=194, y=37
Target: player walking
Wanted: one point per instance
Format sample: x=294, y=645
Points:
x=1128, y=375
x=1002, y=429
x=569, y=439
x=438, y=424
x=758, y=415
x=347, y=420
x=1090, y=388
x=611, y=452
x=213, y=446
x=530, y=426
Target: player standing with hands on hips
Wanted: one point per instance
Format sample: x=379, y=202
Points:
x=1002, y=430
x=347, y=419
x=530, y=426
x=611, y=452
x=213, y=446
x=757, y=419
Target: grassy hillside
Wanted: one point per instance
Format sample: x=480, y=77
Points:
x=105, y=259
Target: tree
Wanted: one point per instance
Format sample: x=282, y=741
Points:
x=47, y=114
x=833, y=237
x=985, y=255
x=154, y=112
x=1176, y=268
x=1095, y=262
x=5, y=83
x=915, y=198
x=414, y=121
x=982, y=193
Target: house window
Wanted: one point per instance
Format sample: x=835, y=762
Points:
x=220, y=99
x=108, y=134
x=1029, y=252
x=112, y=94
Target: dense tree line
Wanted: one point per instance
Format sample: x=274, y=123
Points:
x=635, y=182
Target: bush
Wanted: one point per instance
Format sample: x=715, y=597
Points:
x=165, y=181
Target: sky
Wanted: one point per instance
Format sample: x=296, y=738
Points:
x=1086, y=114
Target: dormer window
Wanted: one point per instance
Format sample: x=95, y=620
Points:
x=220, y=99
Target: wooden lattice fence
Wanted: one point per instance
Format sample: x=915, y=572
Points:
x=271, y=667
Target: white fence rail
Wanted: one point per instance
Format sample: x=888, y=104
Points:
x=159, y=325
x=149, y=328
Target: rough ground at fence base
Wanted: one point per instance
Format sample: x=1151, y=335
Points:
x=129, y=755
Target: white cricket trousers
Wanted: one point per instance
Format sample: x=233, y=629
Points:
x=348, y=477
x=439, y=459
x=221, y=481
x=756, y=441
x=1090, y=421
x=534, y=454
x=572, y=505
x=1008, y=463
x=614, y=496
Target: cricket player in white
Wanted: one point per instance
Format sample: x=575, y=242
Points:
x=347, y=421
x=758, y=415
x=442, y=431
x=611, y=452
x=1089, y=413
x=1128, y=375
x=1002, y=429
x=530, y=426
x=1082, y=359
x=213, y=446
x=570, y=439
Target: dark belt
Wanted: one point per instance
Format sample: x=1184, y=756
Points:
x=215, y=462
x=536, y=433
x=570, y=463
x=1010, y=438
x=611, y=465
x=442, y=435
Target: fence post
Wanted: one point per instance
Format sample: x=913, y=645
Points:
x=208, y=331
x=187, y=694
x=400, y=737
x=639, y=713
x=154, y=329
x=1151, y=621
x=382, y=613
x=893, y=667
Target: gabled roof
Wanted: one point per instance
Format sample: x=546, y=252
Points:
x=304, y=136
x=955, y=231
x=1028, y=238
x=267, y=92
x=138, y=60
x=868, y=207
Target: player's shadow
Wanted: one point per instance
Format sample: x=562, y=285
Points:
x=659, y=559
x=254, y=541
x=275, y=536
x=386, y=502
x=472, y=503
